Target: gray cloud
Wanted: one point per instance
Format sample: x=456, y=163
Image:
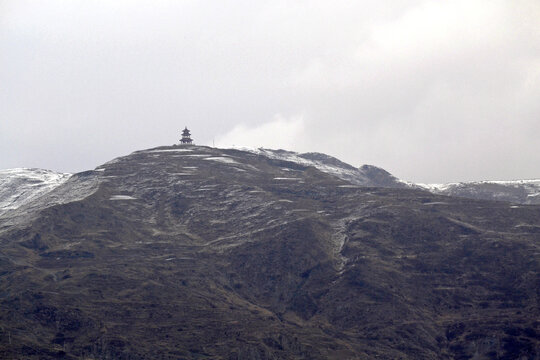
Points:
x=432, y=91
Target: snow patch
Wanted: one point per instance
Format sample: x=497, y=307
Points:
x=122, y=197
x=222, y=159
x=437, y=187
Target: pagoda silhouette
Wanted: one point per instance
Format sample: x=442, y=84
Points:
x=186, y=137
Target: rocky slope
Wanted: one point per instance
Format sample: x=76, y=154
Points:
x=201, y=253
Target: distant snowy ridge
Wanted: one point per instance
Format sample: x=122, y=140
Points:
x=516, y=191
x=21, y=186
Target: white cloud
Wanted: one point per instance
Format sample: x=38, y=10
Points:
x=280, y=132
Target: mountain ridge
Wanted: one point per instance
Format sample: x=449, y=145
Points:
x=21, y=186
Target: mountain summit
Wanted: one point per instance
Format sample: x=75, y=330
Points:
x=190, y=252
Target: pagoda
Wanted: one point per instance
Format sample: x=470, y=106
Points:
x=186, y=137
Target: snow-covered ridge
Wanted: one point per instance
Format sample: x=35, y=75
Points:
x=21, y=186
x=516, y=191
x=516, y=183
x=22, y=190
x=366, y=175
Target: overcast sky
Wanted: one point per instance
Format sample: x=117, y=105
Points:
x=432, y=91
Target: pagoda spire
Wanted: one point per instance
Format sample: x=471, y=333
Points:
x=186, y=137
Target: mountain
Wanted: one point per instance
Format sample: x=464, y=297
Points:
x=518, y=192
x=202, y=253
